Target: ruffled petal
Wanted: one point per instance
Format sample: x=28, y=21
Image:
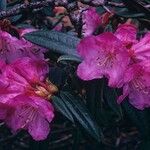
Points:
x=32, y=114
x=103, y=55
x=5, y=111
x=30, y=69
x=39, y=128
x=142, y=48
x=89, y=71
x=137, y=85
x=88, y=48
x=139, y=100
x=127, y=34
x=112, y=65
x=91, y=20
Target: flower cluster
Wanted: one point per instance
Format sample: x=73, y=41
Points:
x=25, y=90
x=91, y=20
x=122, y=59
x=12, y=48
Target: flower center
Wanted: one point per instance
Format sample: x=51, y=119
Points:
x=45, y=90
x=107, y=60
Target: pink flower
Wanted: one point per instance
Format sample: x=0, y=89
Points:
x=104, y=56
x=9, y=44
x=127, y=34
x=4, y=113
x=141, y=50
x=58, y=27
x=31, y=113
x=25, y=89
x=13, y=48
x=91, y=20
x=137, y=85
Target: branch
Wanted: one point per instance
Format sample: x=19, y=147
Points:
x=18, y=9
x=93, y=2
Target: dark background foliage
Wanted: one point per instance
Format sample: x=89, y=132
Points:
x=87, y=115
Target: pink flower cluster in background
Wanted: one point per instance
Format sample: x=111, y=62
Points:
x=91, y=20
x=12, y=48
x=122, y=59
x=25, y=90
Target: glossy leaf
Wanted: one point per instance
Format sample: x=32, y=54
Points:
x=110, y=95
x=58, y=42
x=69, y=58
x=81, y=114
x=60, y=105
x=138, y=117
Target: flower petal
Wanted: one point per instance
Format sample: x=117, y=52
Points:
x=39, y=128
x=124, y=95
x=127, y=33
x=32, y=114
x=88, y=71
x=91, y=20
x=142, y=48
x=88, y=48
x=31, y=69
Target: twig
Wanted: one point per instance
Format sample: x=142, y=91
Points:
x=93, y=2
x=18, y=9
x=116, y=4
x=61, y=139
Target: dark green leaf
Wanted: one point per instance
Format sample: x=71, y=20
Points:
x=137, y=6
x=15, y=18
x=56, y=41
x=138, y=117
x=145, y=145
x=61, y=107
x=128, y=14
x=81, y=114
x=57, y=76
x=14, y=2
x=100, y=9
x=111, y=96
x=69, y=58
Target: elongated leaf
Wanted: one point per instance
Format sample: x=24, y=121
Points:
x=61, y=106
x=128, y=14
x=69, y=58
x=110, y=95
x=137, y=5
x=145, y=145
x=56, y=41
x=81, y=114
x=138, y=117
x=14, y=2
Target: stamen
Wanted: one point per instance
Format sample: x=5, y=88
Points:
x=46, y=89
x=107, y=61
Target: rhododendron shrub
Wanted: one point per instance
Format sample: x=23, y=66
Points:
x=75, y=73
